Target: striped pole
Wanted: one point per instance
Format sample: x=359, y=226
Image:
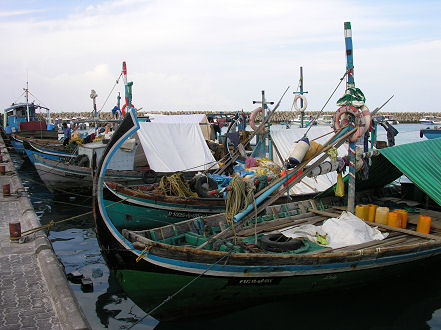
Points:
x=127, y=89
x=350, y=83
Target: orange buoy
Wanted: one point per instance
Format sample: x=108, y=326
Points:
x=394, y=220
x=403, y=217
x=424, y=223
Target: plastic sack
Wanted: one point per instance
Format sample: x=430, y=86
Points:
x=340, y=187
x=348, y=229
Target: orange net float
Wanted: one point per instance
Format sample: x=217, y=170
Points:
x=362, y=120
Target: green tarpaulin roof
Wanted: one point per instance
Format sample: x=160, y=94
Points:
x=421, y=163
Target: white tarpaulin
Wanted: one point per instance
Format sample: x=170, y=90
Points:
x=175, y=144
x=345, y=230
x=196, y=118
x=284, y=140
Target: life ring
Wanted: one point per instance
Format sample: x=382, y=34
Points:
x=253, y=116
x=305, y=103
x=124, y=106
x=279, y=243
x=362, y=120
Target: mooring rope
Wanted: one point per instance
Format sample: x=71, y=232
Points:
x=169, y=298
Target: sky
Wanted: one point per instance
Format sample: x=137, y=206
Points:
x=218, y=55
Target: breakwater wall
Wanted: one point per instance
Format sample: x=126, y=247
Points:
x=279, y=116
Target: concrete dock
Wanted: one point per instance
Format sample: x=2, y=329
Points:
x=34, y=292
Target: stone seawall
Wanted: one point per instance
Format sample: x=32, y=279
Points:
x=279, y=116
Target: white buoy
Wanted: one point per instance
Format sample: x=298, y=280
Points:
x=298, y=151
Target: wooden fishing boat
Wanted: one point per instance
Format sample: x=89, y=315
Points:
x=75, y=173
x=229, y=260
x=238, y=266
x=21, y=118
x=136, y=206
x=46, y=149
x=431, y=133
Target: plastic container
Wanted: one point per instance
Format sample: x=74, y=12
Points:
x=394, y=220
x=381, y=215
x=424, y=223
x=372, y=209
x=403, y=217
x=361, y=211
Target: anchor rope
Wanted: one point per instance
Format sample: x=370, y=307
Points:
x=53, y=223
x=169, y=298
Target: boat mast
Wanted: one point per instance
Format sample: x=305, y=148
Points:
x=262, y=137
x=27, y=100
x=302, y=112
x=350, y=83
x=93, y=96
x=127, y=90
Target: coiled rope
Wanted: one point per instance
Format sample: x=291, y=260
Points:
x=175, y=185
x=239, y=197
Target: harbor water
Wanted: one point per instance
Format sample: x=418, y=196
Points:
x=412, y=301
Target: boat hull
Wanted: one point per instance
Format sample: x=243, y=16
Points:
x=65, y=177
x=45, y=152
x=127, y=209
x=431, y=133
x=211, y=295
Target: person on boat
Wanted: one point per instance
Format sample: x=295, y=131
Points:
x=67, y=133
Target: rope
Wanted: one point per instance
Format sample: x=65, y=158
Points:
x=53, y=223
x=240, y=195
x=175, y=185
x=169, y=298
x=326, y=103
x=61, y=190
x=298, y=87
x=116, y=83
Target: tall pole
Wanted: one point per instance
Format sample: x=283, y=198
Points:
x=302, y=113
x=350, y=83
x=127, y=89
x=301, y=92
x=27, y=100
x=262, y=136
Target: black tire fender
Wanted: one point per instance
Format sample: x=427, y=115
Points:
x=149, y=176
x=279, y=243
x=203, y=185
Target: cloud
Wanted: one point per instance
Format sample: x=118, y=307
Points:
x=196, y=54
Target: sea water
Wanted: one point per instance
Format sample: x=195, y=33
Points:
x=407, y=303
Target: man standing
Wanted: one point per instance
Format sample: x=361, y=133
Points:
x=67, y=132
